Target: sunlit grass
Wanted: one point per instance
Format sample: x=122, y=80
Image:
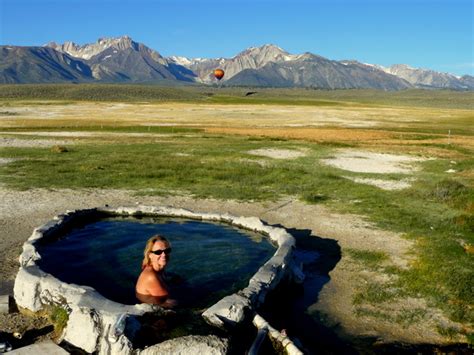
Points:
x=371, y=259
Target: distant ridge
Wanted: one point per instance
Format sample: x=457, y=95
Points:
x=39, y=65
x=425, y=77
x=120, y=59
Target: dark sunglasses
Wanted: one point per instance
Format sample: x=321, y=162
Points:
x=167, y=251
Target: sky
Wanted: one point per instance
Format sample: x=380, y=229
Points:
x=432, y=34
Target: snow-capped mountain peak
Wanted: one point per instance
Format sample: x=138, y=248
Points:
x=120, y=59
x=89, y=50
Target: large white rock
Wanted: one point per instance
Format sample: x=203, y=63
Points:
x=228, y=311
x=83, y=329
x=46, y=347
x=190, y=345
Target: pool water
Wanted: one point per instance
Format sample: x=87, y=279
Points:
x=210, y=260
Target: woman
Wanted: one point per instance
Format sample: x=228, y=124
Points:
x=151, y=286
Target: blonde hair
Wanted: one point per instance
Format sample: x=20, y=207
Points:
x=149, y=245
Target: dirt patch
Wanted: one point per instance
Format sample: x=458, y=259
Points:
x=277, y=153
x=6, y=160
x=30, y=143
x=79, y=134
x=17, y=322
x=368, y=162
x=382, y=184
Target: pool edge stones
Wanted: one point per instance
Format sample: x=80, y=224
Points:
x=93, y=319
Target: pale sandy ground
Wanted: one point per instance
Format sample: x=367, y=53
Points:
x=382, y=184
x=368, y=162
x=357, y=161
x=277, y=153
x=21, y=211
x=79, y=134
x=25, y=143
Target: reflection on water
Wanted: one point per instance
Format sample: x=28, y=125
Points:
x=211, y=260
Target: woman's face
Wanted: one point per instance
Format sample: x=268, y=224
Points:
x=158, y=262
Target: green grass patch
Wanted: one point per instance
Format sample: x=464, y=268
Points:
x=374, y=293
x=449, y=332
x=269, y=100
x=373, y=313
x=59, y=317
x=371, y=259
x=408, y=317
x=204, y=167
x=97, y=92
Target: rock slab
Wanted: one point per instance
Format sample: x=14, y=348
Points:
x=44, y=348
x=190, y=345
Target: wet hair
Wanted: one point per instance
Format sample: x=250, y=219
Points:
x=149, y=246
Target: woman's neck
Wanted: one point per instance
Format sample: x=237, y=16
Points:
x=158, y=269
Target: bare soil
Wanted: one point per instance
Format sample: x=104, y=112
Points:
x=28, y=143
x=277, y=153
x=367, y=162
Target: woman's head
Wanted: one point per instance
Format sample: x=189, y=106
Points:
x=157, y=252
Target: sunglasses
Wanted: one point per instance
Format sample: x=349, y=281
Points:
x=167, y=251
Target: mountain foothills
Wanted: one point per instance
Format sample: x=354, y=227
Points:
x=116, y=60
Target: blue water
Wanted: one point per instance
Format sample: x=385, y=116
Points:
x=212, y=260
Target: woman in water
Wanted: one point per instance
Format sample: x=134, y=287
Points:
x=151, y=286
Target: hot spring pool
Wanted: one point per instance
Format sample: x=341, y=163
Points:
x=210, y=259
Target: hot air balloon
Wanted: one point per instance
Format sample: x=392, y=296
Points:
x=219, y=74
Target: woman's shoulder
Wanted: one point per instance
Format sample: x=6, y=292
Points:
x=148, y=272
x=148, y=278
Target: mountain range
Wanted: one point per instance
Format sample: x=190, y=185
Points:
x=122, y=60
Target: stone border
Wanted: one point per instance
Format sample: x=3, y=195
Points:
x=97, y=324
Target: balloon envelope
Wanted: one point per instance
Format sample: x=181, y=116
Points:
x=219, y=74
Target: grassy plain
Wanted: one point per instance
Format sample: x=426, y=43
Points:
x=197, y=141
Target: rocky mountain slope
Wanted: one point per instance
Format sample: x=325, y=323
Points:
x=40, y=64
x=124, y=60
x=309, y=70
x=251, y=58
x=426, y=78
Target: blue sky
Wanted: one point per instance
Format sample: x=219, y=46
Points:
x=434, y=34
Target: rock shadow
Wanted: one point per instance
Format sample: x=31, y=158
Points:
x=287, y=306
